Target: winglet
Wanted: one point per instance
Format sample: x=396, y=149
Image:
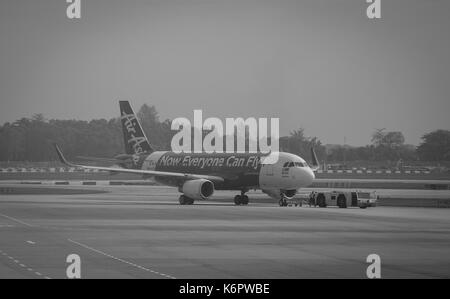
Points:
x=315, y=162
x=61, y=156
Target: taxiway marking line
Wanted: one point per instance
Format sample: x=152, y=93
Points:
x=121, y=260
x=16, y=220
x=6, y=225
x=23, y=265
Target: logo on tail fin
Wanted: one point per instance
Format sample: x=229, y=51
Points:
x=134, y=137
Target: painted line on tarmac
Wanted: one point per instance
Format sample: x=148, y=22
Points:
x=6, y=225
x=17, y=220
x=16, y=261
x=121, y=260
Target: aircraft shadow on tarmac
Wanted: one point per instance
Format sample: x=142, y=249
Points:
x=94, y=202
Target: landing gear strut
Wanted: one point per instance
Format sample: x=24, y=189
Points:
x=283, y=201
x=241, y=199
x=184, y=200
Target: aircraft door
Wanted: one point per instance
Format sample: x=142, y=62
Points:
x=266, y=176
x=268, y=169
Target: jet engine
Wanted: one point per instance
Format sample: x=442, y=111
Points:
x=198, y=189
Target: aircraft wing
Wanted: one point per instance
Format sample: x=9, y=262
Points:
x=185, y=176
x=98, y=159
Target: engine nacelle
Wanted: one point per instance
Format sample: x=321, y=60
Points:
x=198, y=189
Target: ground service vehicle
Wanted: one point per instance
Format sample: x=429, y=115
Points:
x=343, y=199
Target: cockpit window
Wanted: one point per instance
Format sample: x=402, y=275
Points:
x=295, y=164
x=301, y=164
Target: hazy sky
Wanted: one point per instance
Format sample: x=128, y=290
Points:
x=317, y=64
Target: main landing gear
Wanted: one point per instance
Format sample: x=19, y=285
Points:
x=283, y=201
x=184, y=200
x=241, y=199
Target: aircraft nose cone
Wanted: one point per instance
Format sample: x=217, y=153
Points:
x=310, y=176
x=306, y=177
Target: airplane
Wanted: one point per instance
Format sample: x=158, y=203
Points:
x=198, y=175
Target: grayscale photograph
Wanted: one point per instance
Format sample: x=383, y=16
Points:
x=224, y=145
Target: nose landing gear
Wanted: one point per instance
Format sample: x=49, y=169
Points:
x=241, y=199
x=283, y=202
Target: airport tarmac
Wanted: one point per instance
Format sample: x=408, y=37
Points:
x=142, y=232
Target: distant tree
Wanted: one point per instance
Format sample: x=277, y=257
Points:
x=388, y=139
x=408, y=152
x=148, y=114
x=39, y=117
x=394, y=140
x=435, y=146
x=378, y=137
x=30, y=139
x=387, y=146
x=158, y=133
x=299, y=144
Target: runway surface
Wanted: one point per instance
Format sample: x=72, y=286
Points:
x=142, y=232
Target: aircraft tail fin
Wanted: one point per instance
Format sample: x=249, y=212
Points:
x=135, y=141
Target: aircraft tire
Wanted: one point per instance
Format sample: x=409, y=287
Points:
x=321, y=200
x=237, y=200
x=244, y=200
x=341, y=201
x=182, y=200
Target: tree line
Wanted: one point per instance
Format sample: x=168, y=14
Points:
x=31, y=139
